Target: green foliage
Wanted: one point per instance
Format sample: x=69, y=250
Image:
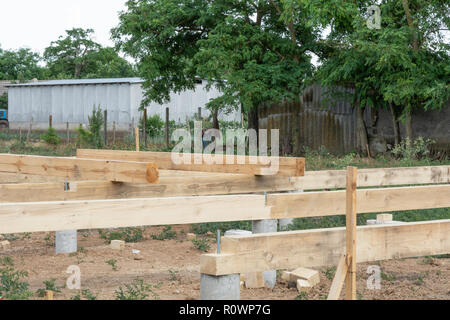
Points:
x=415, y=150
x=20, y=65
x=249, y=49
x=51, y=137
x=166, y=234
x=50, y=285
x=4, y=101
x=93, y=137
x=302, y=296
x=173, y=275
x=12, y=284
x=202, y=244
x=138, y=290
x=204, y=228
x=113, y=264
x=154, y=126
x=85, y=294
x=130, y=235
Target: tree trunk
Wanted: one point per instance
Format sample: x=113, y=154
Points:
x=253, y=119
x=395, y=125
x=408, y=125
x=216, y=119
x=361, y=130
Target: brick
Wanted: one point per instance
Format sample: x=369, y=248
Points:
x=117, y=245
x=303, y=285
x=312, y=276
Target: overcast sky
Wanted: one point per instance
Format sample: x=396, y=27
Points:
x=35, y=23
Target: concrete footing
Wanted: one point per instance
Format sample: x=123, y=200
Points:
x=267, y=226
x=66, y=242
x=220, y=287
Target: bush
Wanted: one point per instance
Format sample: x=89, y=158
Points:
x=166, y=234
x=130, y=235
x=415, y=150
x=154, y=126
x=51, y=137
x=12, y=286
x=138, y=290
x=4, y=101
x=93, y=136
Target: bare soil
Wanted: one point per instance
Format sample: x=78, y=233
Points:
x=173, y=266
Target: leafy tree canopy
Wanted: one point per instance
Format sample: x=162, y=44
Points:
x=21, y=65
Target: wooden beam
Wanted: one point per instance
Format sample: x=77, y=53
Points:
x=168, y=186
x=319, y=204
x=350, y=287
x=324, y=247
x=339, y=279
x=288, y=167
x=77, y=215
x=55, y=216
x=126, y=171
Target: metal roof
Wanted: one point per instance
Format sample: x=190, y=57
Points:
x=77, y=82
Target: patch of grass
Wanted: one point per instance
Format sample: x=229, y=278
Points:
x=302, y=296
x=166, y=234
x=389, y=277
x=12, y=282
x=201, y=244
x=137, y=290
x=49, y=240
x=10, y=237
x=204, y=228
x=173, y=275
x=85, y=295
x=330, y=272
x=50, y=285
x=419, y=281
x=129, y=235
x=113, y=264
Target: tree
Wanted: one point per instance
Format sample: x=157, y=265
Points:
x=253, y=51
x=68, y=56
x=20, y=65
x=403, y=66
x=78, y=56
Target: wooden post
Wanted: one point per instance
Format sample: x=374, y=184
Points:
x=114, y=133
x=200, y=114
x=49, y=294
x=68, y=132
x=144, y=127
x=105, y=127
x=50, y=121
x=167, y=128
x=137, y=139
x=350, y=285
x=29, y=129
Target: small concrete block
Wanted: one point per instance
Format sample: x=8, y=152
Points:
x=6, y=245
x=117, y=245
x=231, y=233
x=371, y=222
x=191, y=236
x=303, y=286
x=309, y=275
x=384, y=218
x=254, y=280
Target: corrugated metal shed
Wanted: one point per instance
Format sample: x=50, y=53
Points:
x=73, y=100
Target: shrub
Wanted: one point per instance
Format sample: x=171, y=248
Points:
x=201, y=244
x=166, y=234
x=130, y=235
x=154, y=126
x=413, y=150
x=12, y=286
x=138, y=290
x=86, y=294
x=51, y=137
x=4, y=101
x=50, y=285
x=93, y=136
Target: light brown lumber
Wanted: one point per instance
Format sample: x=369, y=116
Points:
x=319, y=204
x=339, y=279
x=324, y=247
x=336, y=179
x=77, y=215
x=288, y=167
x=138, y=146
x=168, y=186
x=82, y=169
x=350, y=287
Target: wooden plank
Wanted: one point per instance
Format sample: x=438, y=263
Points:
x=350, y=287
x=168, y=186
x=336, y=179
x=339, y=279
x=125, y=171
x=77, y=215
x=318, y=204
x=324, y=247
x=288, y=167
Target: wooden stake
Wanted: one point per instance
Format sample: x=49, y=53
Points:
x=350, y=285
x=114, y=133
x=105, y=127
x=68, y=132
x=144, y=127
x=137, y=139
x=167, y=128
x=50, y=121
x=49, y=294
x=29, y=129
x=339, y=279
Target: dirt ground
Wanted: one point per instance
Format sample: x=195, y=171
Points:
x=172, y=266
